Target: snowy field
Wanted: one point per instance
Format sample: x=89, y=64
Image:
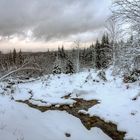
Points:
x=118, y=103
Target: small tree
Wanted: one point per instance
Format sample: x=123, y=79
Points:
x=14, y=56
x=20, y=58
x=69, y=67
x=98, y=55
x=57, y=69
x=61, y=53
x=105, y=51
x=10, y=58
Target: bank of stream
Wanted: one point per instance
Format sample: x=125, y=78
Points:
x=107, y=127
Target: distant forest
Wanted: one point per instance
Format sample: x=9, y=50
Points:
x=124, y=57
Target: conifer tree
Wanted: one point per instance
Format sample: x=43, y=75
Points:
x=10, y=58
x=57, y=66
x=20, y=58
x=98, y=55
x=69, y=67
x=104, y=51
x=14, y=56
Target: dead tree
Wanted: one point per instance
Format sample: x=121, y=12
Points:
x=24, y=67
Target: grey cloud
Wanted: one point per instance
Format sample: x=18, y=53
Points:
x=50, y=19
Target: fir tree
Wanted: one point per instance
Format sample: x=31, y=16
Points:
x=103, y=54
x=104, y=50
x=10, y=58
x=20, y=58
x=14, y=56
x=69, y=67
x=98, y=55
x=61, y=53
x=57, y=66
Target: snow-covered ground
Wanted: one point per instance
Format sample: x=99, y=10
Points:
x=19, y=122
x=116, y=105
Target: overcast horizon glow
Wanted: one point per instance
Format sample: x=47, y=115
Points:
x=34, y=25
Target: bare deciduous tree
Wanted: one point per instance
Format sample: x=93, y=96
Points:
x=77, y=45
x=114, y=31
x=128, y=11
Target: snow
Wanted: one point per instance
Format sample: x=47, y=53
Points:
x=116, y=104
x=19, y=122
x=57, y=87
x=120, y=110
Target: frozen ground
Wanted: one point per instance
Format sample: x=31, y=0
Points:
x=19, y=122
x=119, y=103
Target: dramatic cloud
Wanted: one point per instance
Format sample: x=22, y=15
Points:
x=52, y=19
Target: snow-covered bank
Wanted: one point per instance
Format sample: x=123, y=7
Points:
x=19, y=122
x=117, y=102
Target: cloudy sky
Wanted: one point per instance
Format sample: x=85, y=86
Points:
x=41, y=24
